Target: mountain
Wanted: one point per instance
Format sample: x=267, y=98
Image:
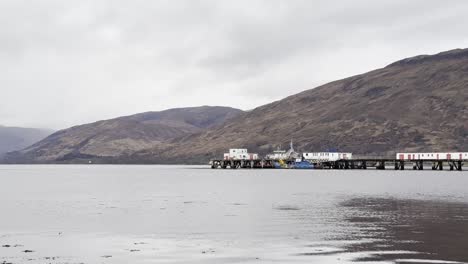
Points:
x=16, y=138
x=109, y=139
x=416, y=104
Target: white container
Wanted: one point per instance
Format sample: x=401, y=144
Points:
x=240, y=154
x=459, y=155
x=327, y=156
x=432, y=156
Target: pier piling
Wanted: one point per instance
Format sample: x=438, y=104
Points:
x=344, y=164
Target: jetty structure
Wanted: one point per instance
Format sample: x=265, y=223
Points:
x=281, y=159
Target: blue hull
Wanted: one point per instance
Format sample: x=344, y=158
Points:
x=277, y=165
x=304, y=165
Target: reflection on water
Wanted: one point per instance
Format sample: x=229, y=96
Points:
x=434, y=230
x=161, y=214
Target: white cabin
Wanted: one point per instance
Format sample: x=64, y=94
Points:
x=327, y=156
x=240, y=154
x=278, y=155
x=432, y=156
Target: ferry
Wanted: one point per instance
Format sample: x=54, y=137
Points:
x=289, y=159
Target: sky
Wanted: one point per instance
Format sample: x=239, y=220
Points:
x=64, y=62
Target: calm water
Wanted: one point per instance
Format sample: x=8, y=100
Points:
x=176, y=214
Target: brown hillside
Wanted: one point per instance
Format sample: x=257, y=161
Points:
x=122, y=136
x=416, y=104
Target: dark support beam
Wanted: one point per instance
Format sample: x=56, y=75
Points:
x=418, y=165
x=380, y=165
x=336, y=165
x=399, y=165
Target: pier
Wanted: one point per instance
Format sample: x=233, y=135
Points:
x=344, y=164
x=282, y=159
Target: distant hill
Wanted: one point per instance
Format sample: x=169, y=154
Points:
x=122, y=136
x=16, y=138
x=416, y=104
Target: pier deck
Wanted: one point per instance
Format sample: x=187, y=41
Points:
x=348, y=164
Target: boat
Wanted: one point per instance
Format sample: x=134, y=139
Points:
x=304, y=164
x=280, y=154
x=280, y=164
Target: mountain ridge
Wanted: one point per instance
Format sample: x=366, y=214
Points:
x=122, y=135
x=450, y=54
x=415, y=104
x=402, y=107
x=15, y=138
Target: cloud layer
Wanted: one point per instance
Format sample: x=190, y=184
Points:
x=64, y=63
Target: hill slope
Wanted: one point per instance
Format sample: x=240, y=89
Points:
x=416, y=104
x=16, y=138
x=122, y=136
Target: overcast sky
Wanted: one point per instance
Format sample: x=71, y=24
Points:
x=64, y=63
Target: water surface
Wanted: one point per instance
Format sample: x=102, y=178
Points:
x=183, y=214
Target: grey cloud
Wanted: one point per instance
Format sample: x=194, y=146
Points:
x=67, y=62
